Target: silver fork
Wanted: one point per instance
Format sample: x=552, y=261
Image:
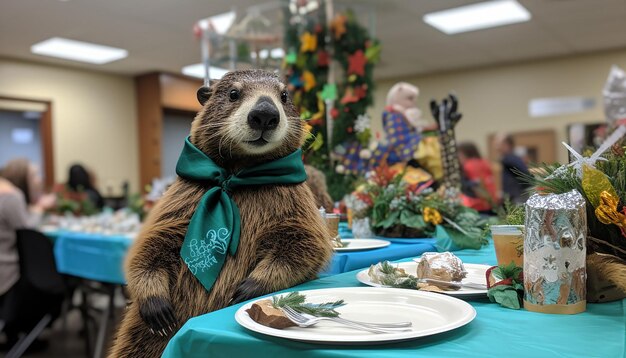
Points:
x=369, y=324
x=304, y=321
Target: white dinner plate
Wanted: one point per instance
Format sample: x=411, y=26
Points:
x=430, y=314
x=475, y=274
x=362, y=244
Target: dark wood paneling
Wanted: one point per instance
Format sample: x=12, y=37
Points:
x=150, y=122
x=179, y=93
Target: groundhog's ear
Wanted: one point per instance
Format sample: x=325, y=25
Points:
x=204, y=93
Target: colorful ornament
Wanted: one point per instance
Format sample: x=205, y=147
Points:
x=291, y=58
x=360, y=91
x=607, y=213
x=362, y=123
x=308, y=42
x=329, y=92
x=308, y=78
x=322, y=59
x=334, y=113
x=338, y=26
x=372, y=53
x=320, y=108
x=594, y=183
x=349, y=96
x=356, y=63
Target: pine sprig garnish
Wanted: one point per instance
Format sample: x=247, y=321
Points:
x=297, y=301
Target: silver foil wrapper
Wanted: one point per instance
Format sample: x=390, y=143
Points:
x=614, y=94
x=555, y=252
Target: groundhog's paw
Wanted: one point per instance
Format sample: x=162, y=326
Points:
x=248, y=288
x=158, y=315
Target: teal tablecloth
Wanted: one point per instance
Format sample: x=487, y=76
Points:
x=348, y=261
x=496, y=332
x=91, y=256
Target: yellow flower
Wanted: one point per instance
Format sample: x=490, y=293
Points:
x=309, y=42
x=309, y=80
x=432, y=216
x=607, y=212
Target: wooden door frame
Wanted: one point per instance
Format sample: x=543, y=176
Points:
x=45, y=129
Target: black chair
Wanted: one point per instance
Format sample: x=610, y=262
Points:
x=36, y=299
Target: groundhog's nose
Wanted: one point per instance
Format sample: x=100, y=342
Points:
x=264, y=115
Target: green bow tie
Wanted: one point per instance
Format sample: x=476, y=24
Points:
x=215, y=225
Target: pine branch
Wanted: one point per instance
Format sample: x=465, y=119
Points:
x=297, y=301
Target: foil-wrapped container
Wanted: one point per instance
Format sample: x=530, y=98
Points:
x=555, y=275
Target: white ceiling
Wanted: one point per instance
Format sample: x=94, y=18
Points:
x=158, y=33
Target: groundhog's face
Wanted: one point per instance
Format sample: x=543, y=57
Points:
x=247, y=114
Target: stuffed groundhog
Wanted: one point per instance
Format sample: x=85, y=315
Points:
x=247, y=120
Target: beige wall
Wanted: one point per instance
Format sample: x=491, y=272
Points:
x=94, y=118
x=496, y=99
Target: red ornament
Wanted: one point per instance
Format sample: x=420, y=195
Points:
x=334, y=113
x=360, y=91
x=349, y=96
x=322, y=59
x=349, y=129
x=357, y=63
x=318, y=28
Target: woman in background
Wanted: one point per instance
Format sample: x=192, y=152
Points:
x=478, y=172
x=21, y=206
x=80, y=188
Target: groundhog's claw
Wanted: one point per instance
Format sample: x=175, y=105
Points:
x=158, y=314
x=248, y=288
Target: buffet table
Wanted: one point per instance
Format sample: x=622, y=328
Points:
x=496, y=331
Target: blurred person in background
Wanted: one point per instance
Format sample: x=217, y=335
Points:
x=22, y=204
x=479, y=177
x=513, y=166
x=80, y=188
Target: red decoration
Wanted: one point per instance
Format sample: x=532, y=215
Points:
x=349, y=129
x=322, y=59
x=318, y=28
x=349, y=96
x=357, y=63
x=334, y=113
x=360, y=91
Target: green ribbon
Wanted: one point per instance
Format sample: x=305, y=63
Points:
x=215, y=225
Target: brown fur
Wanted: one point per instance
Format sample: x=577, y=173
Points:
x=606, y=278
x=283, y=241
x=316, y=180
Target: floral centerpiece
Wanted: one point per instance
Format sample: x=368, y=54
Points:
x=398, y=208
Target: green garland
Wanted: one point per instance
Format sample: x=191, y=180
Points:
x=348, y=37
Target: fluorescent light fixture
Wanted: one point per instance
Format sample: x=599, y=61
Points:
x=477, y=16
x=558, y=106
x=218, y=23
x=197, y=70
x=78, y=51
x=274, y=53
